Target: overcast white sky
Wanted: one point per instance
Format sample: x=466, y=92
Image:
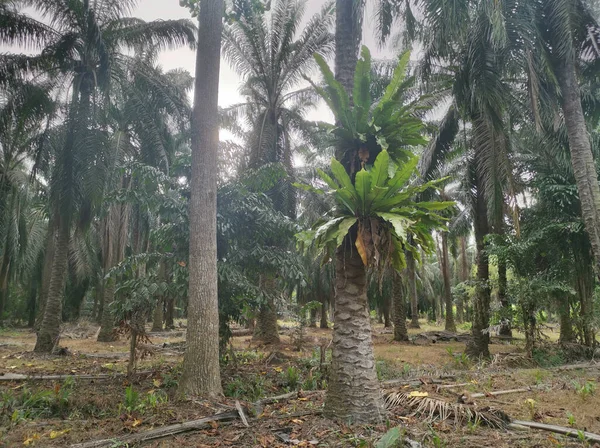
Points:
x=229, y=83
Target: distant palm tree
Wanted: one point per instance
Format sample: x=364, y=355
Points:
x=83, y=51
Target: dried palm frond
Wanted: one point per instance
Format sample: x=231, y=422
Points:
x=436, y=409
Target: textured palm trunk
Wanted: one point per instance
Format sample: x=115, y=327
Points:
x=46, y=274
x=48, y=334
x=582, y=159
x=313, y=319
x=170, y=314
x=398, y=308
x=479, y=345
x=450, y=325
x=265, y=330
x=529, y=323
x=584, y=287
x=566, y=325
x=4, y=271
x=464, y=276
x=353, y=394
x=385, y=311
x=115, y=231
x=323, y=323
x=159, y=315
x=201, y=374
x=412, y=290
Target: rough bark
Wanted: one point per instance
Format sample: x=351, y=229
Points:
x=170, y=314
x=412, y=290
x=450, y=325
x=399, y=309
x=478, y=346
x=323, y=323
x=529, y=324
x=582, y=159
x=584, y=282
x=201, y=374
x=464, y=276
x=265, y=330
x=385, y=311
x=566, y=325
x=313, y=318
x=46, y=273
x=48, y=334
x=353, y=394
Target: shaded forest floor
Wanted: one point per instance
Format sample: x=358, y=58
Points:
x=61, y=412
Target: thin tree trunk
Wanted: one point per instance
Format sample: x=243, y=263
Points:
x=478, y=346
x=170, y=314
x=353, y=394
x=464, y=276
x=582, y=159
x=385, y=311
x=201, y=371
x=159, y=315
x=399, y=308
x=412, y=290
x=450, y=325
x=48, y=335
x=46, y=273
x=4, y=271
x=313, y=318
x=529, y=324
x=323, y=323
x=584, y=288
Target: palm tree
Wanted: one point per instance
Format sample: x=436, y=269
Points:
x=23, y=113
x=83, y=70
x=267, y=52
x=201, y=374
x=374, y=214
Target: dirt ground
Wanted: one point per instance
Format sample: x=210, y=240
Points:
x=58, y=413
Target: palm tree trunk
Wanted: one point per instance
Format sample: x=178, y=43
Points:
x=4, y=281
x=450, y=325
x=170, y=314
x=399, y=308
x=46, y=273
x=566, y=325
x=412, y=290
x=478, y=346
x=584, y=287
x=323, y=323
x=47, y=337
x=505, y=329
x=385, y=311
x=464, y=276
x=353, y=394
x=201, y=374
x=582, y=159
x=265, y=330
x=159, y=315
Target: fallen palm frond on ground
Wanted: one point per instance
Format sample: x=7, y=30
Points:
x=437, y=409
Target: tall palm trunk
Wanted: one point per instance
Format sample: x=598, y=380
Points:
x=46, y=273
x=201, y=374
x=412, y=290
x=582, y=159
x=450, y=325
x=398, y=308
x=385, y=311
x=353, y=393
x=478, y=346
x=47, y=337
x=505, y=328
x=464, y=276
x=324, y=303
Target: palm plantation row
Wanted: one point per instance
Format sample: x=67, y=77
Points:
x=116, y=196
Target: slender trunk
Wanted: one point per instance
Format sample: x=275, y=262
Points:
x=159, y=315
x=450, y=325
x=529, y=323
x=505, y=327
x=4, y=271
x=323, y=323
x=353, y=394
x=399, y=308
x=379, y=315
x=584, y=288
x=385, y=311
x=582, y=159
x=48, y=334
x=170, y=314
x=464, y=276
x=566, y=325
x=412, y=290
x=478, y=346
x=201, y=374
x=46, y=273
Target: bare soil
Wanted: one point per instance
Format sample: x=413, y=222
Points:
x=59, y=413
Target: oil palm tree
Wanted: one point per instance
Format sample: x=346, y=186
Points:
x=83, y=50
x=271, y=54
